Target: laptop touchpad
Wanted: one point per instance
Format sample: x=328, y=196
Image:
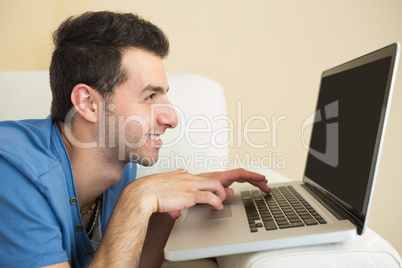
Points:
x=204, y=212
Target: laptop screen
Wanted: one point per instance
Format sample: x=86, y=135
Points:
x=346, y=131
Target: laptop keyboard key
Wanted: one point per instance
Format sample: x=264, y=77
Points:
x=270, y=225
x=310, y=222
x=291, y=225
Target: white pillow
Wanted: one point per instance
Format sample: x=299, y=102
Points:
x=366, y=251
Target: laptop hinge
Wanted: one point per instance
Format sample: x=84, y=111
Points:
x=339, y=211
x=326, y=202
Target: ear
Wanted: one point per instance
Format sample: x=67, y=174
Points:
x=85, y=99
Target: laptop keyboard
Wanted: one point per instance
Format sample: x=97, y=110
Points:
x=282, y=208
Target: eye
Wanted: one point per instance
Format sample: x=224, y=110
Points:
x=150, y=97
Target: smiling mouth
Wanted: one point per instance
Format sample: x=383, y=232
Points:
x=153, y=137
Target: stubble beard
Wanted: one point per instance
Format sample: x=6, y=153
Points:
x=117, y=150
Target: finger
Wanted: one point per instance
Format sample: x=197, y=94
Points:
x=246, y=176
x=256, y=179
x=174, y=214
x=242, y=175
x=261, y=185
x=229, y=193
x=211, y=185
x=206, y=197
x=199, y=183
x=264, y=187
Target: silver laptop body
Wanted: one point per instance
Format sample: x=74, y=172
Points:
x=344, y=152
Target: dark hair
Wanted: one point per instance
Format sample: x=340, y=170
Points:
x=88, y=49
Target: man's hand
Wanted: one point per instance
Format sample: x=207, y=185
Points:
x=170, y=192
x=167, y=192
x=173, y=191
x=238, y=175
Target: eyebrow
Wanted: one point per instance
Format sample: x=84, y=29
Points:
x=152, y=88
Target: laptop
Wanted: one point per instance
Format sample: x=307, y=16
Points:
x=332, y=202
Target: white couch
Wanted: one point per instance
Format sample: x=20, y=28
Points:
x=200, y=104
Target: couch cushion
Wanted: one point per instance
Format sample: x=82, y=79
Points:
x=202, y=263
x=24, y=95
x=368, y=250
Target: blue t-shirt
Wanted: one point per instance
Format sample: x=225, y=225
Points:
x=40, y=222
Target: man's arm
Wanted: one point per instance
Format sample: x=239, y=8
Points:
x=126, y=240
x=159, y=227
x=125, y=233
x=124, y=236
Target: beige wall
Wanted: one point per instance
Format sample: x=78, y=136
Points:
x=268, y=55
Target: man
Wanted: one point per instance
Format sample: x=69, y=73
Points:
x=63, y=194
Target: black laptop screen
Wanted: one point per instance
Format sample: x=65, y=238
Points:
x=343, y=144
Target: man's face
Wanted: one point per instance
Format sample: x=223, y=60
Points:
x=140, y=111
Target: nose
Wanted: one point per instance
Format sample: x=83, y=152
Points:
x=167, y=116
